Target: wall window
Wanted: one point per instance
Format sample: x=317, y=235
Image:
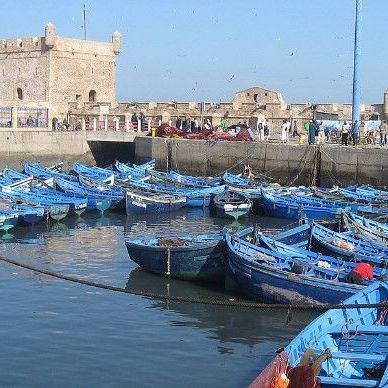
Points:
x=78, y=97
x=92, y=96
x=5, y=116
x=32, y=118
x=19, y=92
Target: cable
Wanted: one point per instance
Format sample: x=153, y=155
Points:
x=208, y=301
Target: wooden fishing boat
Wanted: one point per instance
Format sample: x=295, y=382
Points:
x=194, y=197
x=28, y=214
x=346, y=246
x=199, y=258
x=299, y=207
x=355, y=337
x=93, y=172
x=363, y=196
x=369, y=191
x=370, y=230
x=138, y=202
x=271, y=276
x=100, y=200
x=44, y=173
x=8, y=219
x=232, y=204
x=53, y=208
x=129, y=172
x=77, y=204
x=192, y=181
x=303, y=254
x=178, y=180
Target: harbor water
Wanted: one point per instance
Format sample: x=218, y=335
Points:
x=56, y=333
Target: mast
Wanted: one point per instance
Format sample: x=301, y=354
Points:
x=84, y=25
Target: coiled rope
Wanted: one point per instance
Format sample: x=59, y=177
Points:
x=206, y=301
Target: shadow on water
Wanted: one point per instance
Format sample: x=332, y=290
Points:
x=225, y=323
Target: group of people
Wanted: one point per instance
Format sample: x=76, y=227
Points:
x=186, y=124
x=138, y=120
x=262, y=130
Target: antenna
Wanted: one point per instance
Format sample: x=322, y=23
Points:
x=84, y=26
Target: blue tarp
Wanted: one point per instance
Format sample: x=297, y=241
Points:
x=335, y=125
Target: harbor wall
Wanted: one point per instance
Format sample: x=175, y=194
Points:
x=292, y=164
x=17, y=147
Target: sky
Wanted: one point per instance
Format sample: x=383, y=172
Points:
x=207, y=50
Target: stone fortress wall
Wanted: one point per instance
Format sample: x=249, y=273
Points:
x=76, y=79
x=49, y=72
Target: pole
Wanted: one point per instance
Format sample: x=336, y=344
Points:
x=356, y=108
x=84, y=13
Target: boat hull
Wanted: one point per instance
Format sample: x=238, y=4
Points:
x=8, y=221
x=189, y=263
x=140, y=204
x=268, y=286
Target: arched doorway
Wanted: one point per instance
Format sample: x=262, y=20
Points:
x=92, y=96
x=19, y=92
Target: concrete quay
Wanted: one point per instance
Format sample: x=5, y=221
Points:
x=291, y=164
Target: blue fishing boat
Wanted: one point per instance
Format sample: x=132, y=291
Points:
x=351, y=342
x=370, y=191
x=194, y=197
x=28, y=214
x=302, y=254
x=372, y=211
x=93, y=172
x=192, y=181
x=138, y=202
x=172, y=179
x=271, y=276
x=363, y=196
x=96, y=200
x=44, y=173
x=346, y=246
x=15, y=176
x=77, y=204
x=8, y=219
x=52, y=207
x=129, y=172
x=199, y=258
x=299, y=207
x=370, y=230
x=149, y=165
x=232, y=204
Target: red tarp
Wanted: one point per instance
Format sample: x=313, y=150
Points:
x=166, y=130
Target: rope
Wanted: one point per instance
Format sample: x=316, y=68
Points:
x=206, y=301
x=309, y=149
x=331, y=175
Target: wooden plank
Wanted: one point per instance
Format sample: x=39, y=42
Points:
x=362, y=329
x=359, y=356
x=349, y=382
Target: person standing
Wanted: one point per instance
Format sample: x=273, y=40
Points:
x=142, y=120
x=311, y=132
x=178, y=123
x=266, y=130
x=355, y=133
x=383, y=133
x=260, y=129
x=295, y=130
x=284, y=135
x=345, y=134
x=321, y=133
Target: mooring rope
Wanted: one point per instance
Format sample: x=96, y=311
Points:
x=207, y=301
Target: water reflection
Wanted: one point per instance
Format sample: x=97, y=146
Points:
x=227, y=324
